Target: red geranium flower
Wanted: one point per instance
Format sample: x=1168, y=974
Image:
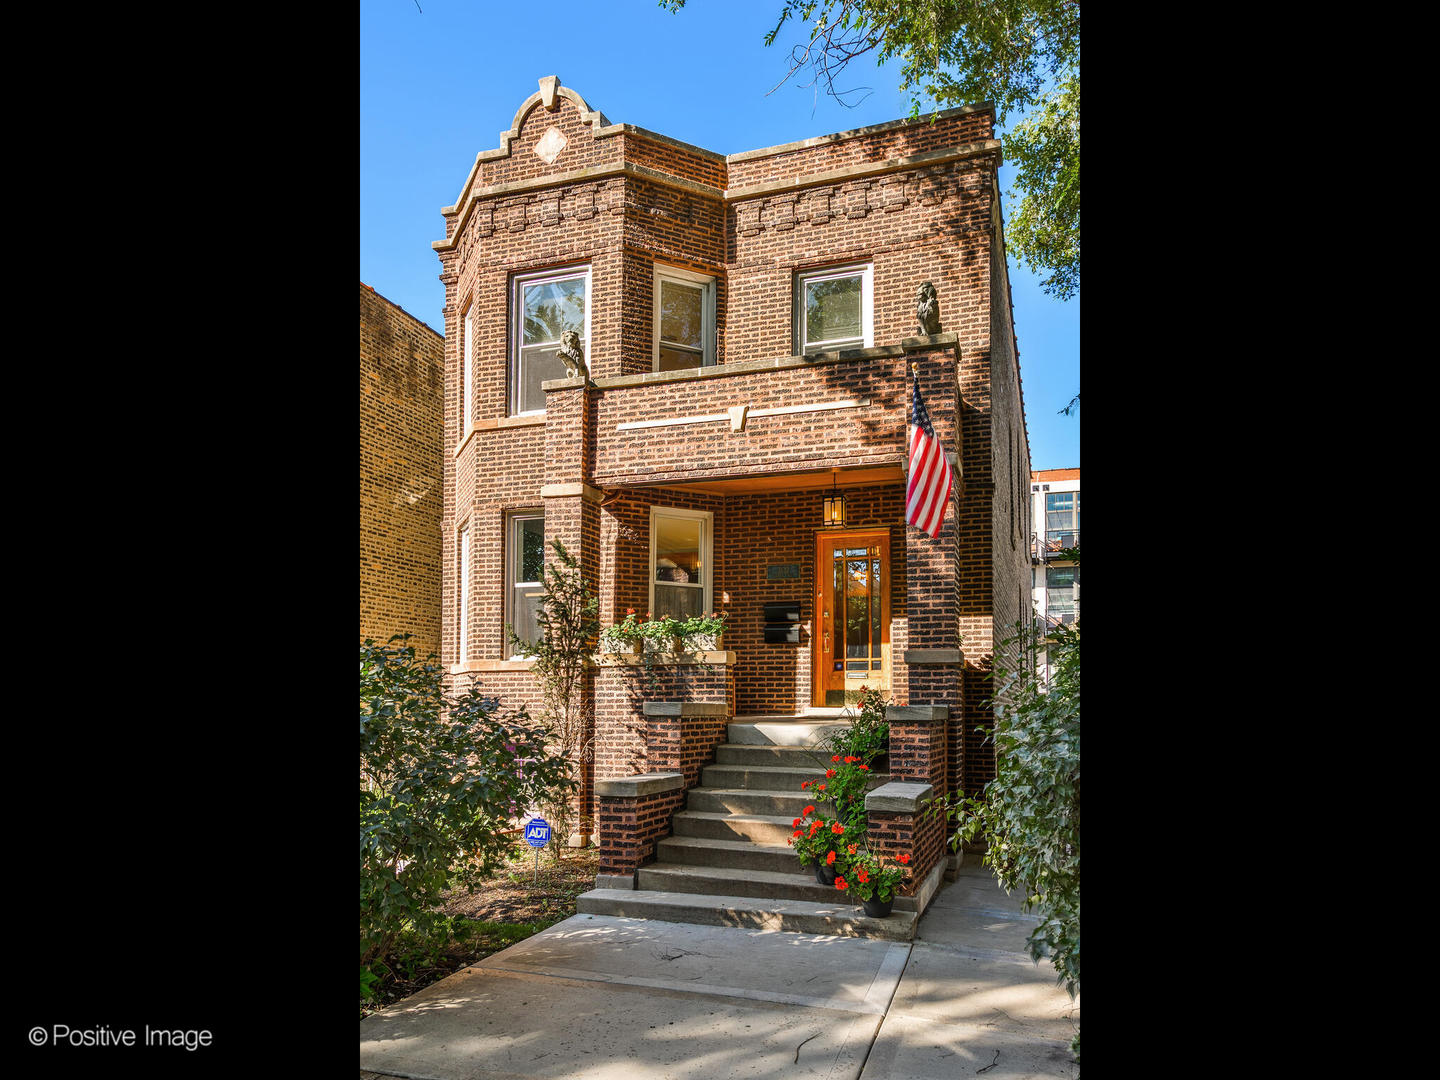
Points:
x=837, y=829
x=865, y=767
x=902, y=859
x=795, y=824
x=829, y=774
x=797, y=832
x=850, y=848
x=819, y=787
x=836, y=757
x=864, y=875
x=805, y=785
x=629, y=611
x=813, y=826
x=830, y=858
x=808, y=810
x=841, y=883
x=848, y=760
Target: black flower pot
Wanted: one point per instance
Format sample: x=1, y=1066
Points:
x=878, y=908
x=825, y=875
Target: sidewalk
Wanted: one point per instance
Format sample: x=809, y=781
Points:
x=606, y=998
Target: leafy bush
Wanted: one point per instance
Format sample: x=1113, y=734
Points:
x=439, y=780
x=868, y=735
x=1030, y=812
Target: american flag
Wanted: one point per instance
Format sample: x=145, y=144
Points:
x=928, y=488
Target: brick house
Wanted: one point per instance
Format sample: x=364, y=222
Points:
x=749, y=331
x=402, y=380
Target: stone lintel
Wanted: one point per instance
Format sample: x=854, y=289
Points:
x=916, y=714
x=898, y=797
x=685, y=708
x=559, y=491
x=934, y=656
x=646, y=784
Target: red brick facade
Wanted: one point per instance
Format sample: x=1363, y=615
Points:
x=757, y=438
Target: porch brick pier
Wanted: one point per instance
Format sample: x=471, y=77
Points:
x=901, y=819
x=665, y=720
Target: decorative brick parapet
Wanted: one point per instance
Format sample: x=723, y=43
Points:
x=902, y=818
x=683, y=735
x=634, y=815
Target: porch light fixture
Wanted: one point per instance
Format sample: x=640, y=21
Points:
x=834, y=506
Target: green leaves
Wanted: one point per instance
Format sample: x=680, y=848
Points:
x=439, y=779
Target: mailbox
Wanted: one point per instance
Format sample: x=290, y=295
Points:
x=782, y=622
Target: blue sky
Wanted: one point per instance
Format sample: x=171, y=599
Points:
x=438, y=87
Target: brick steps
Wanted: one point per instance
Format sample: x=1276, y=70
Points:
x=728, y=863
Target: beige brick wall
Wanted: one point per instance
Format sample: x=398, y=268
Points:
x=402, y=378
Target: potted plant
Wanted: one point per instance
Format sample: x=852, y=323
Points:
x=703, y=632
x=625, y=638
x=820, y=841
x=867, y=876
x=665, y=634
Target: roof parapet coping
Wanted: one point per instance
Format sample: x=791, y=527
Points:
x=860, y=132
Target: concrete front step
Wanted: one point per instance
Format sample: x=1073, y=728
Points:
x=794, y=916
x=786, y=804
x=787, y=757
x=767, y=777
x=745, y=855
x=796, y=884
x=760, y=828
x=782, y=731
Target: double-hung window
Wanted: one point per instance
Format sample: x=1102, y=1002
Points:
x=546, y=305
x=467, y=365
x=684, y=319
x=525, y=572
x=680, y=566
x=462, y=555
x=834, y=309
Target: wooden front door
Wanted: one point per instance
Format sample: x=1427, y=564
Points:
x=852, y=615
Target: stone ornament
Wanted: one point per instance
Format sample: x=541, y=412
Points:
x=550, y=145
x=927, y=309
x=571, y=353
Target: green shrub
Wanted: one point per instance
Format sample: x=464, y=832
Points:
x=439, y=780
x=1030, y=812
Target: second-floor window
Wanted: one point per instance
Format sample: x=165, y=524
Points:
x=546, y=305
x=684, y=319
x=1062, y=591
x=833, y=309
x=1062, y=519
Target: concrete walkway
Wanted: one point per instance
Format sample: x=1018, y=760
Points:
x=606, y=998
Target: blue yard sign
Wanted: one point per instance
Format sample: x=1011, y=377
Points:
x=537, y=835
x=537, y=832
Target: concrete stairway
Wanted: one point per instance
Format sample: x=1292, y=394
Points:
x=728, y=863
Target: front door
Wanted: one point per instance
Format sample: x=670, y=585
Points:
x=852, y=615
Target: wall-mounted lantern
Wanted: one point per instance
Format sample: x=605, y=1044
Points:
x=834, y=506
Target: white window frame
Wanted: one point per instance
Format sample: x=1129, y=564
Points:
x=462, y=551
x=707, y=330
x=467, y=366
x=866, y=272
x=512, y=557
x=707, y=544
x=517, y=323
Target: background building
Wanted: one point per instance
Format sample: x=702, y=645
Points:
x=402, y=384
x=1055, y=580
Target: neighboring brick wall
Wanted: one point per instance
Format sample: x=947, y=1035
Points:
x=402, y=369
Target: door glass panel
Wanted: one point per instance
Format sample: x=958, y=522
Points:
x=874, y=606
x=857, y=628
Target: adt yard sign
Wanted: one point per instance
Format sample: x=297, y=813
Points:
x=537, y=835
